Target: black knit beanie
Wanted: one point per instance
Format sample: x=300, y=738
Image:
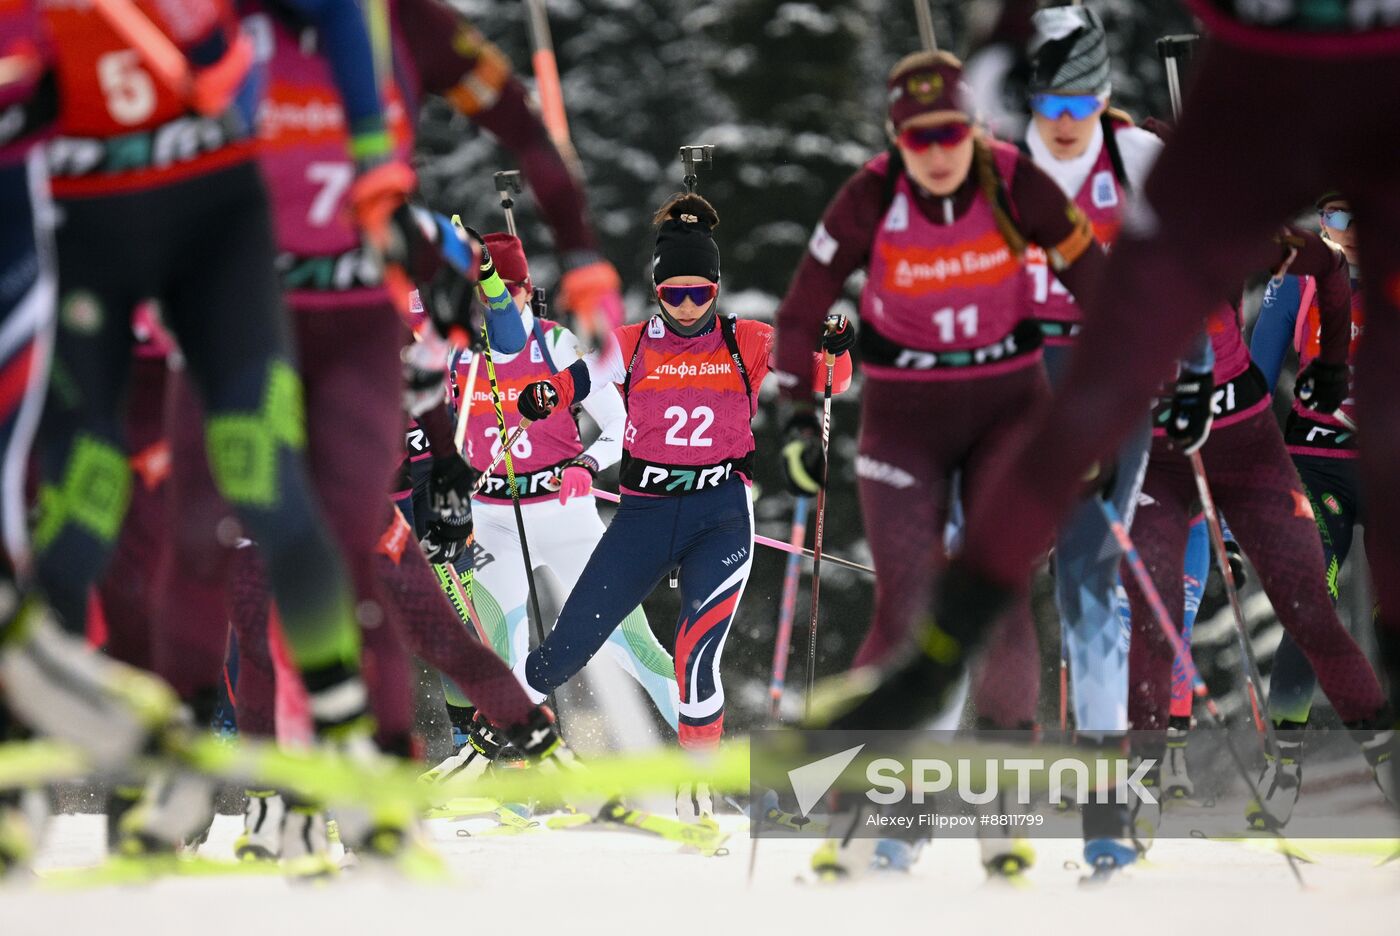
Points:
x=685, y=245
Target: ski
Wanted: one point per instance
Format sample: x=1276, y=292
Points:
x=119, y=871
x=705, y=838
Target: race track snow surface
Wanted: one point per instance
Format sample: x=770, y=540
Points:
x=585, y=881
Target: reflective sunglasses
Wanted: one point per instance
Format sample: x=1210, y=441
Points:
x=677, y=295
x=1078, y=106
x=1338, y=219
x=947, y=136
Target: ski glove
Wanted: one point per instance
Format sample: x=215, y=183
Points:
x=592, y=291
x=444, y=541
x=451, y=485
x=424, y=374
x=1192, y=410
x=1235, y=556
x=537, y=400
x=840, y=334
x=803, y=461
x=1323, y=387
x=576, y=480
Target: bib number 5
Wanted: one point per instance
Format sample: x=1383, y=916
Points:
x=129, y=91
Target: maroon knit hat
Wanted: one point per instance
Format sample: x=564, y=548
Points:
x=509, y=256
x=923, y=83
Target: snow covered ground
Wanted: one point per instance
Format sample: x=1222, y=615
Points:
x=621, y=882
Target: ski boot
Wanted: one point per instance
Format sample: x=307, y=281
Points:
x=23, y=814
x=1279, y=783
x=1146, y=817
x=695, y=803
x=173, y=815
x=845, y=854
x=303, y=843
x=1176, y=781
x=58, y=686
x=262, y=827
x=1007, y=859
x=120, y=801
x=1379, y=749
x=773, y=815
x=894, y=855
x=1107, y=858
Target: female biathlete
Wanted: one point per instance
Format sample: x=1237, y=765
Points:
x=554, y=472
x=1255, y=484
x=689, y=380
x=952, y=363
x=1323, y=449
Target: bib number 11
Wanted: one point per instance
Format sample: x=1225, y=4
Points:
x=953, y=324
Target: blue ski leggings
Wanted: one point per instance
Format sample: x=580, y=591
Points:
x=1197, y=570
x=1334, y=488
x=708, y=535
x=1086, y=588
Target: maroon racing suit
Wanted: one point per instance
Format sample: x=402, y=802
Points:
x=1255, y=484
x=952, y=365
x=1234, y=171
x=348, y=336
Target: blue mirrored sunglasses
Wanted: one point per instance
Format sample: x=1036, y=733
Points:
x=1338, y=219
x=1078, y=106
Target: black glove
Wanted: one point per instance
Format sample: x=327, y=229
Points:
x=803, y=461
x=450, y=489
x=537, y=400
x=424, y=377
x=840, y=334
x=444, y=542
x=1235, y=556
x=1323, y=387
x=1192, y=410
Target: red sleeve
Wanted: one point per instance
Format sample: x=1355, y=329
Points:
x=839, y=246
x=756, y=348
x=1328, y=267
x=456, y=61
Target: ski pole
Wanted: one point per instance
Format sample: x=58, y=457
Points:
x=792, y=576
x=506, y=442
x=924, y=15
x=829, y=360
x=1254, y=683
x=1174, y=50
x=612, y=498
x=1064, y=680
x=1167, y=626
x=500, y=456
x=547, y=83
x=508, y=185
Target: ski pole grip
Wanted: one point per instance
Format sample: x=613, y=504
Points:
x=1173, y=51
